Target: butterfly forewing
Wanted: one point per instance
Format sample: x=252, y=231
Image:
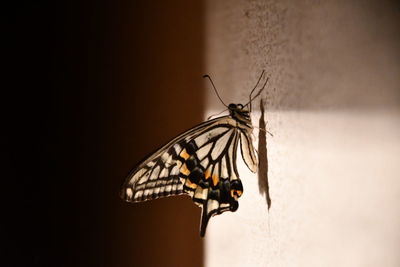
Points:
x=200, y=163
x=159, y=175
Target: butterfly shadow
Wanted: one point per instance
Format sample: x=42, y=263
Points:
x=263, y=184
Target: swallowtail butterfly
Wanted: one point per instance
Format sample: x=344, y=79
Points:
x=201, y=163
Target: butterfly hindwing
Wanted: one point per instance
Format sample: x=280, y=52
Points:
x=219, y=185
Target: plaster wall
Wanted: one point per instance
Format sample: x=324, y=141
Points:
x=332, y=105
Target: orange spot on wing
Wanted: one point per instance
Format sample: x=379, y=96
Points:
x=185, y=170
x=184, y=154
x=215, y=179
x=190, y=184
x=207, y=174
x=236, y=193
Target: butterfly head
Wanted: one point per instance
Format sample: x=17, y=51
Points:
x=240, y=113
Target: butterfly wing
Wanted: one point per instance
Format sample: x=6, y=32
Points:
x=201, y=163
x=158, y=175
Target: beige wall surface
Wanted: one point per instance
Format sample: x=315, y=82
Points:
x=332, y=105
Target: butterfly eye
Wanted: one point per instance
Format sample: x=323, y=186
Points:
x=232, y=106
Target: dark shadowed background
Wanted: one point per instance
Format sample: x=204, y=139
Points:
x=92, y=88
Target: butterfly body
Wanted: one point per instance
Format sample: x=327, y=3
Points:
x=201, y=163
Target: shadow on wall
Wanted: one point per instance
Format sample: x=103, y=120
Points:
x=263, y=183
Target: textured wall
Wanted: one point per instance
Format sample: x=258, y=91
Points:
x=332, y=104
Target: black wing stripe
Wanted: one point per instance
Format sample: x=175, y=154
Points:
x=204, y=137
x=221, y=144
x=204, y=151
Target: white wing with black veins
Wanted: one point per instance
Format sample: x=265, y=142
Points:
x=201, y=163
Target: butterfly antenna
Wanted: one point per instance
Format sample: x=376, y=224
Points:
x=259, y=92
x=252, y=91
x=215, y=89
x=259, y=79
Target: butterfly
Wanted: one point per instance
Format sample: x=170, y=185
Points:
x=201, y=163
